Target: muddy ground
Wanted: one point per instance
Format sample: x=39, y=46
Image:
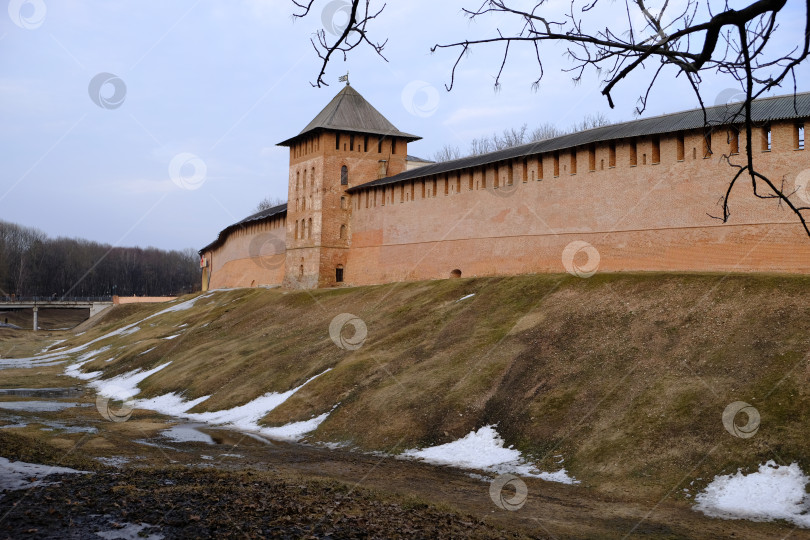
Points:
x=209, y=482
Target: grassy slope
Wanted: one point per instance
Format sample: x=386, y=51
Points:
x=625, y=376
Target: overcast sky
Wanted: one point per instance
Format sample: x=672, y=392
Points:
x=209, y=87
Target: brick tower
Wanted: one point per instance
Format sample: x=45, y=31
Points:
x=347, y=144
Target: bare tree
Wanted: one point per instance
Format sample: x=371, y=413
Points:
x=659, y=40
x=268, y=203
x=448, y=152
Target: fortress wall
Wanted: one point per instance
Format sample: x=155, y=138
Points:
x=251, y=256
x=647, y=217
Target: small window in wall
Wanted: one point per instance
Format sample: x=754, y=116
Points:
x=483, y=178
x=707, y=144
x=434, y=186
x=343, y=231
x=365, y=143
x=733, y=141
x=656, y=150
x=304, y=203
x=539, y=167
x=497, y=182
x=339, y=273
x=455, y=273
x=633, y=153
x=766, y=138
x=573, y=161
x=592, y=157
x=309, y=228
x=379, y=145
x=297, y=180
x=337, y=141
x=304, y=183
x=601, y=164
x=556, y=164
x=343, y=202
x=525, y=170
x=458, y=182
x=344, y=176
x=799, y=134
x=301, y=271
x=351, y=143
x=681, y=144
x=393, y=146
x=446, y=184
x=510, y=174
x=296, y=229
x=643, y=159
x=612, y=154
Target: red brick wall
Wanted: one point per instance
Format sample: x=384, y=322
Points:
x=645, y=217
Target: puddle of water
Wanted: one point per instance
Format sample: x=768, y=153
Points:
x=42, y=392
x=40, y=406
x=21, y=475
x=187, y=433
x=130, y=531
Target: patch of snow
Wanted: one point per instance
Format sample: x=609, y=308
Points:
x=174, y=336
x=295, y=430
x=147, y=351
x=19, y=474
x=773, y=492
x=484, y=450
x=244, y=417
x=124, y=386
x=465, y=297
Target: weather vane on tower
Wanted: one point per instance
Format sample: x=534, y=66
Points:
x=344, y=78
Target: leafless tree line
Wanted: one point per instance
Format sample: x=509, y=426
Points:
x=511, y=137
x=31, y=264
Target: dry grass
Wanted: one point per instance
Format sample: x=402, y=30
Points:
x=625, y=376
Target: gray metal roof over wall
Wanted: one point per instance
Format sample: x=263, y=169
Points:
x=349, y=111
x=762, y=110
x=258, y=216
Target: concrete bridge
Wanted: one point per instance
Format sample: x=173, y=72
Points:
x=95, y=304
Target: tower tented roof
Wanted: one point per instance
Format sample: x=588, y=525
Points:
x=349, y=111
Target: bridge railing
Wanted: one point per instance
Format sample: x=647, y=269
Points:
x=53, y=298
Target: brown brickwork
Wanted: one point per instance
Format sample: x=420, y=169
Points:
x=644, y=203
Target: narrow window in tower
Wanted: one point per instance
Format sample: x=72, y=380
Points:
x=707, y=143
x=351, y=143
x=393, y=146
x=592, y=157
x=733, y=140
x=312, y=179
x=339, y=273
x=540, y=167
x=681, y=146
x=303, y=204
x=337, y=141
x=296, y=229
x=510, y=173
x=799, y=135
x=297, y=180
x=656, y=150
x=304, y=183
x=379, y=145
x=766, y=138
x=633, y=153
x=446, y=184
x=365, y=143
x=423, y=189
x=344, y=176
x=435, y=191
x=612, y=154
x=573, y=161
x=309, y=228
x=343, y=202
x=556, y=164
x=526, y=170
